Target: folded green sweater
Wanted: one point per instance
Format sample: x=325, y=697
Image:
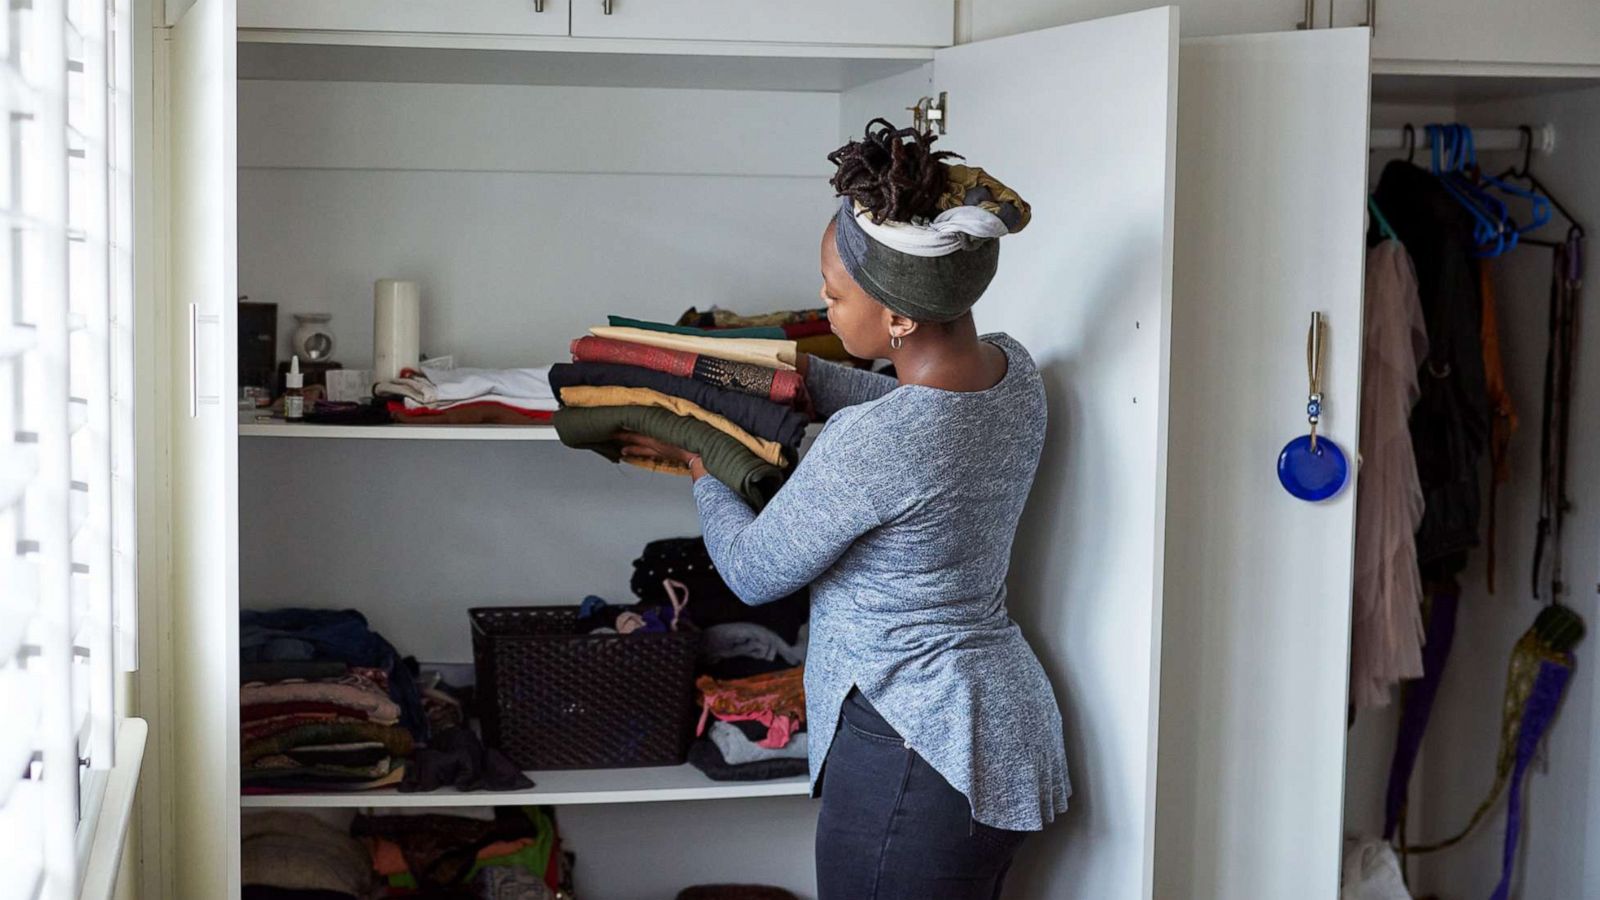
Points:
x=728, y=461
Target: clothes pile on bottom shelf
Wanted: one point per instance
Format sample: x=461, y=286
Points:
x=326, y=703
x=729, y=394
x=500, y=852
x=455, y=853
x=431, y=395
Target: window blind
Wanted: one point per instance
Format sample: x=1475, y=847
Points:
x=67, y=610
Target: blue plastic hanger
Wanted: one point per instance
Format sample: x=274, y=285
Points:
x=1453, y=153
x=1384, y=228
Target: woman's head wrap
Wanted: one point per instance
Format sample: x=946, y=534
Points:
x=932, y=270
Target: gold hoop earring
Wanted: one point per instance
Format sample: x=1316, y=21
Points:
x=895, y=342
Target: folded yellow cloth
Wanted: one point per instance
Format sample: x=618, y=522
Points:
x=607, y=395
x=768, y=354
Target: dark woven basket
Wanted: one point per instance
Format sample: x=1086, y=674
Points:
x=552, y=699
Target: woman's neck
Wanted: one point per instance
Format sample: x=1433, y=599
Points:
x=949, y=358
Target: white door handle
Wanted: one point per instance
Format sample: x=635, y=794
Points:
x=196, y=319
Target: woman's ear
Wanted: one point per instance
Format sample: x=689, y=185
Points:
x=901, y=326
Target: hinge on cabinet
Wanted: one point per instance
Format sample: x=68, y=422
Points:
x=928, y=113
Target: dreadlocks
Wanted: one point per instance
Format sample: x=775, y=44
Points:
x=893, y=173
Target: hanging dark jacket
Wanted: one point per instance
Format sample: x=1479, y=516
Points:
x=1450, y=423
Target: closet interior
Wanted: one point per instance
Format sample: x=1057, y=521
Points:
x=1511, y=574
x=531, y=191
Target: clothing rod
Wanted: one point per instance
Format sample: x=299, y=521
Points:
x=1544, y=138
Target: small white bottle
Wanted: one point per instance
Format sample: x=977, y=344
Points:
x=294, y=398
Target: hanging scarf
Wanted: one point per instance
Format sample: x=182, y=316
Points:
x=1536, y=679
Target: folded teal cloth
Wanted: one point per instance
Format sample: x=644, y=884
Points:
x=727, y=460
x=771, y=332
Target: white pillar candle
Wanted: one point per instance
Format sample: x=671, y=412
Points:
x=396, y=311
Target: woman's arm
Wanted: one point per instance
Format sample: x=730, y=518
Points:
x=807, y=526
x=833, y=386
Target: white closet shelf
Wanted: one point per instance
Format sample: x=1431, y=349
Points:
x=556, y=788
x=278, y=428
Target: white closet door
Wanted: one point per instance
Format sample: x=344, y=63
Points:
x=1272, y=158
x=910, y=23
x=204, y=780
x=1079, y=119
x=499, y=17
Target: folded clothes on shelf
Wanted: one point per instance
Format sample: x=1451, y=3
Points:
x=284, y=853
x=474, y=412
x=717, y=317
x=725, y=458
x=441, y=854
x=783, y=387
x=756, y=415
x=323, y=635
x=770, y=452
x=776, y=700
x=766, y=353
x=435, y=388
x=707, y=757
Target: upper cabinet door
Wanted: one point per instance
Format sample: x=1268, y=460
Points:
x=202, y=722
x=993, y=18
x=911, y=23
x=1079, y=120
x=1272, y=161
x=495, y=17
x=1549, y=32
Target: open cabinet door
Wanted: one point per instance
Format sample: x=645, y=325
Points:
x=1079, y=120
x=1272, y=159
x=204, y=729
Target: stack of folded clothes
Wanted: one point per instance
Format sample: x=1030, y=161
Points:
x=326, y=703
x=500, y=852
x=297, y=856
x=434, y=396
x=808, y=328
x=756, y=724
x=730, y=395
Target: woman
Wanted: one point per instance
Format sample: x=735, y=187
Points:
x=935, y=735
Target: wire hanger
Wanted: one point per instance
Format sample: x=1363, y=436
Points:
x=1575, y=230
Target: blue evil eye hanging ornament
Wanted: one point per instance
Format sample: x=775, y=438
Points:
x=1313, y=468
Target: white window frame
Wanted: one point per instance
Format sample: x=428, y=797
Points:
x=68, y=580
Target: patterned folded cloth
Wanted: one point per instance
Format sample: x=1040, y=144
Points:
x=776, y=700
x=298, y=851
x=440, y=388
x=726, y=459
x=787, y=388
x=768, y=354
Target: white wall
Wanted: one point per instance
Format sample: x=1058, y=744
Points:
x=1562, y=834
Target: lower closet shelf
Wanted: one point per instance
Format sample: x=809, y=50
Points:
x=250, y=426
x=557, y=788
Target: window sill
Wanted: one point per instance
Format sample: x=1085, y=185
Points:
x=107, y=827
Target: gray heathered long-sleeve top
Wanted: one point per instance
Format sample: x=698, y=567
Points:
x=901, y=518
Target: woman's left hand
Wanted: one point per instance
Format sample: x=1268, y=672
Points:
x=640, y=446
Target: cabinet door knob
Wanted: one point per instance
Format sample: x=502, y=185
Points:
x=538, y=6
x=1311, y=16
x=605, y=6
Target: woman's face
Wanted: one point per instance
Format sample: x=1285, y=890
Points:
x=861, y=322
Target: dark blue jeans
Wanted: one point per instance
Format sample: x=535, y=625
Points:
x=891, y=827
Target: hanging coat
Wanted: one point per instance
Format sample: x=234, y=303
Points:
x=1450, y=424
